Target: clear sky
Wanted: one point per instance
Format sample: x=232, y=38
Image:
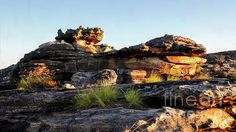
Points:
x=25, y=24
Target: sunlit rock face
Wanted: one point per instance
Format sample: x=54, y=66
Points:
x=164, y=58
x=175, y=45
x=79, y=64
x=77, y=50
x=85, y=37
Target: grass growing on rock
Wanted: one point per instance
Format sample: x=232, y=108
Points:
x=133, y=98
x=107, y=97
x=154, y=78
x=101, y=97
x=173, y=78
x=40, y=77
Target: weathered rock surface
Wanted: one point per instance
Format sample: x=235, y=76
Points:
x=186, y=121
x=82, y=37
x=176, y=45
x=91, y=79
x=8, y=78
x=182, y=94
x=13, y=101
x=118, y=119
x=190, y=94
x=51, y=110
x=222, y=64
x=168, y=45
x=185, y=60
x=157, y=56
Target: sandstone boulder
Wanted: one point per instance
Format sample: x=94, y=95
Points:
x=175, y=45
x=83, y=37
x=91, y=79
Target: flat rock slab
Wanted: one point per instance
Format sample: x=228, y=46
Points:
x=118, y=119
x=190, y=94
x=181, y=94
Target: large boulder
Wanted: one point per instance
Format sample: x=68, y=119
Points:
x=93, y=79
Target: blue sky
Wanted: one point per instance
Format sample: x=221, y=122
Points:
x=25, y=24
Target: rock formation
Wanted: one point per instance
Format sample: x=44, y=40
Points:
x=182, y=88
x=51, y=110
x=221, y=65
x=83, y=37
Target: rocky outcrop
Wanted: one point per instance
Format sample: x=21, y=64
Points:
x=77, y=63
x=82, y=37
x=175, y=45
x=165, y=56
x=221, y=65
x=168, y=56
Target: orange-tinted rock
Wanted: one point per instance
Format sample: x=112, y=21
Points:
x=185, y=60
x=81, y=35
x=138, y=76
x=213, y=118
x=85, y=37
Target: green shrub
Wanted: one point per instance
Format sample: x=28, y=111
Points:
x=133, y=98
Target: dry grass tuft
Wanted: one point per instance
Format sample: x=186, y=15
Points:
x=154, y=78
x=40, y=77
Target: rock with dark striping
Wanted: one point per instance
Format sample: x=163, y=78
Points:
x=168, y=45
x=119, y=119
x=221, y=65
x=8, y=77
x=14, y=101
x=91, y=79
x=175, y=45
x=190, y=94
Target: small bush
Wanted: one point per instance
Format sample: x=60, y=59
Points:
x=102, y=97
x=133, y=98
x=173, y=78
x=154, y=78
x=40, y=77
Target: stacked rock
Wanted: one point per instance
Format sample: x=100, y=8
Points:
x=165, y=57
x=86, y=38
x=73, y=54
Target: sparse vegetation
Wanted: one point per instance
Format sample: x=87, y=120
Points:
x=101, y=97
x=105, y=97
x=202, y=76
x=154, y=78
x=173, y=78
x=40, y=77
x=133, y=98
